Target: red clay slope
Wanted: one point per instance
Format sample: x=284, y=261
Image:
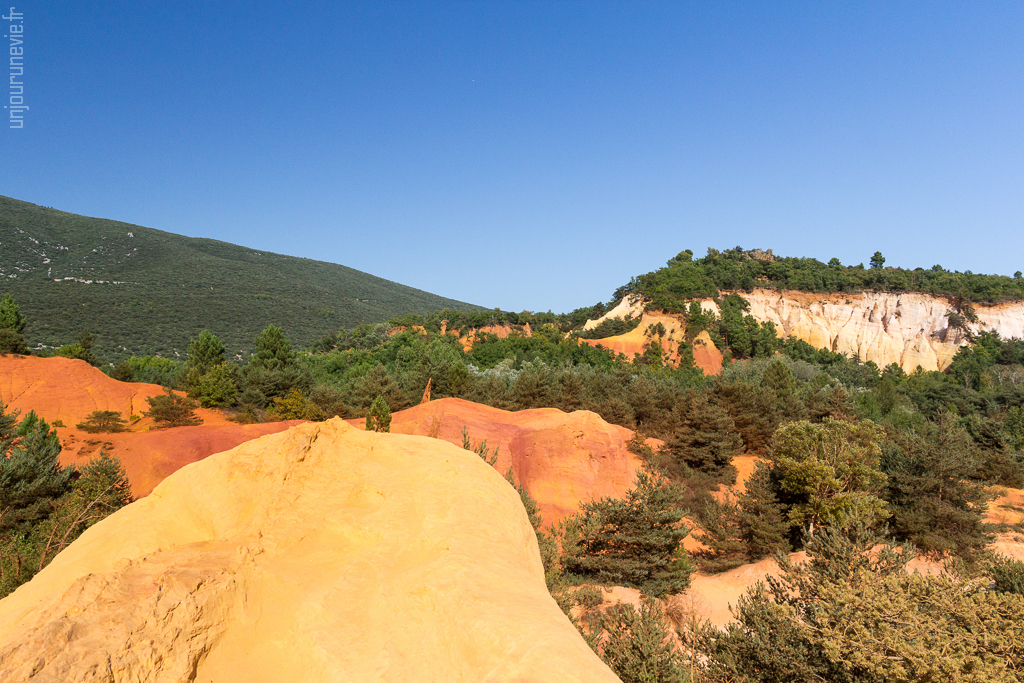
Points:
x=68, y=390
x=563, y=459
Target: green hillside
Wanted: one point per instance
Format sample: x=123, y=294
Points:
x=145, y=291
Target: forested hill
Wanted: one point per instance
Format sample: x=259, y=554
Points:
x=685, y=278
x=143, y=291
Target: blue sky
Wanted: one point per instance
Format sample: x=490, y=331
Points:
x=534, y=155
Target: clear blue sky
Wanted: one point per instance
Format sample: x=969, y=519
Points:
x=534, y=155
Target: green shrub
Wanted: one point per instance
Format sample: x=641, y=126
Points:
x=851, y=614
x=1007, y=573
x=636, y=541
x=171, y=410
x=103, y=421
x=638, y=645
x=378, y=419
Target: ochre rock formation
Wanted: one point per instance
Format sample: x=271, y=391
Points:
x=322, y=553
x=636, y=340
x=68, y=390
x=151, y=456
x=908, y=329
x=706, y=355
x=563, y=459
x=499, y=331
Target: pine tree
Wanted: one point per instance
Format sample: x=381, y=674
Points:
x=935, y=503
x=379, y=417
x=827, y=472
x=753, y=411
x=31, y=476
x=103, y=421
x=636, y=541
x=704, y=438
x=273, y=351
x=764, y=527
x=171, y=410
x=639, y=646
x=10, y=315
x=204, y=352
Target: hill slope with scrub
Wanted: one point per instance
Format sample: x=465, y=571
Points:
x=140, y=290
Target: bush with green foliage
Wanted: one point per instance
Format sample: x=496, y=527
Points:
x=91, y=493
x=611, y=327
x=216, y=388
x=1007, y=574
x=829, y=472
x=208, y=378
x=378, y=419
x=103, y=421
x=81, y=349
x=166, y=372
x=171, y=410
x=935, y=502
x=31, y=476
x=10, y=315
x=704, y=438
x=852, y=614
x=12, y=324
x=638, y=644
x=636, y=541
x=295, y=406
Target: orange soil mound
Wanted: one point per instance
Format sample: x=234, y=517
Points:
x=68, y=390
x=149, y=457
x=1007, y=507
x=562, y=459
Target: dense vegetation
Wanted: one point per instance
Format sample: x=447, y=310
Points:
x=44, y=507
x=685, y=278
x=145, y=292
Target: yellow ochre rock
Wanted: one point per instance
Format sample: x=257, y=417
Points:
x=908, y=329
x=322, y=553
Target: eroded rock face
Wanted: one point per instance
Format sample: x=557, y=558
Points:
x=322, y=553
x=907, y=329
x=563, y=459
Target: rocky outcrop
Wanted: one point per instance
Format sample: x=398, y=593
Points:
x=907, y=329
x=322, y=553
x=706, y=355
x=563, y=459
